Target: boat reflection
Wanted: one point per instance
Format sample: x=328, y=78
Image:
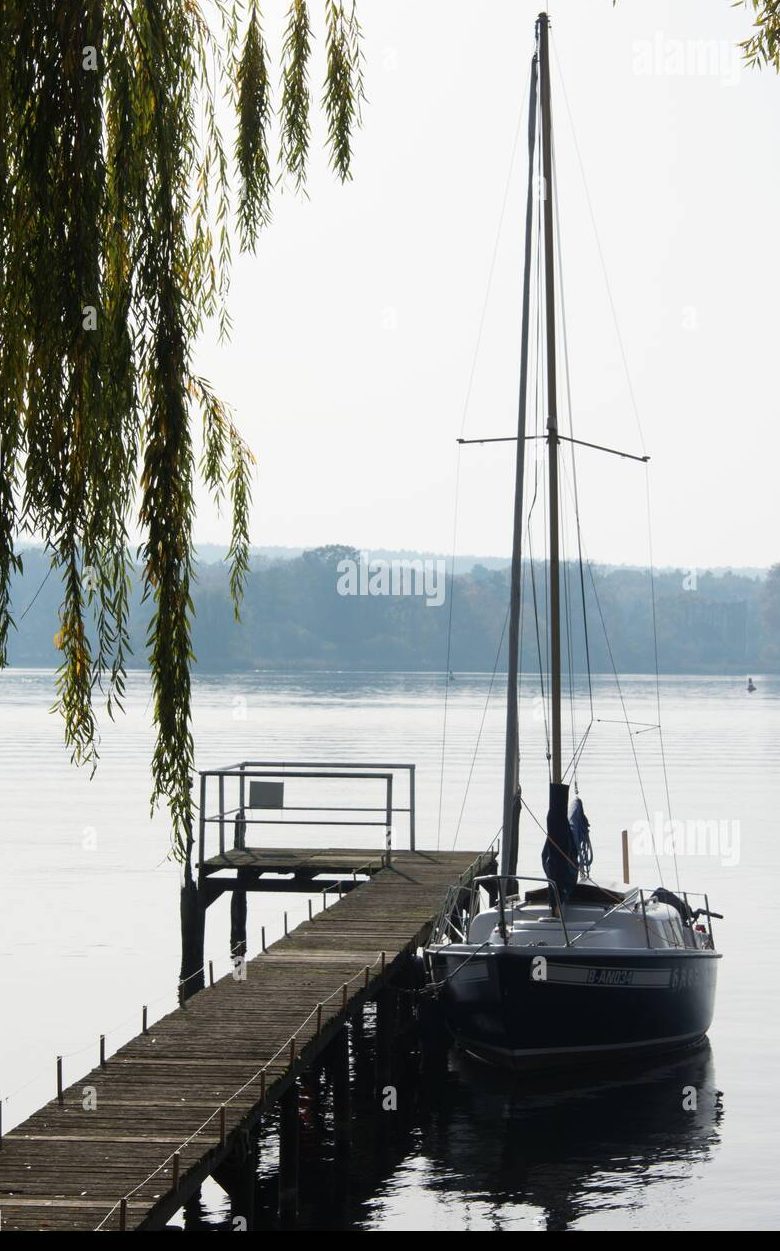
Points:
x=572, y=1146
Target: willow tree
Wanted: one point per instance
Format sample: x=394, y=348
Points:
x=763, y=46
x=118, y=202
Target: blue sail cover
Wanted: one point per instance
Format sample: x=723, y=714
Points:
x=559, y=857
x=580, y=828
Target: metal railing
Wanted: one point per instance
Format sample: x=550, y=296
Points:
x=503, y=898
x=448, y=929
x=234, y=801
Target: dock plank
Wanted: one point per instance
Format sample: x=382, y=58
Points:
x=67, y=1167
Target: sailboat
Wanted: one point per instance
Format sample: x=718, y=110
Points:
x=558, y=969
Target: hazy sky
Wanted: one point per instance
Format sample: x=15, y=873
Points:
x=356, y=324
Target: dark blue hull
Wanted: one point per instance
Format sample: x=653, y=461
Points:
x=505, y=1007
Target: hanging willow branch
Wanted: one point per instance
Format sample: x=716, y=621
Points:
x=295, y=93
x=343, y=84
x=763, y=46
x=254, y=108
x=115, y=231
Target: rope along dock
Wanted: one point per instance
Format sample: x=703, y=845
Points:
x=129, y=1142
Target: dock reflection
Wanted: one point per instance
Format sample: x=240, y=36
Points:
x=498, y=1151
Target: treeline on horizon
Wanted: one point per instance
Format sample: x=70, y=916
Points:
x=293, y=617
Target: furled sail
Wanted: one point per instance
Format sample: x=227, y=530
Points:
x=559, y=857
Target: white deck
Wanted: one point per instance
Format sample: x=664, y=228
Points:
x=659, y=927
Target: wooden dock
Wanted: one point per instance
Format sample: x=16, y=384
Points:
x=130, y=1142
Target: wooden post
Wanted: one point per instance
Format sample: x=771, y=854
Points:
x=211, y=972
x=175, y=1170
x=311, y=914
x=193, y=927
x=624, y=841
x=222, y=1126
x=238, y=917
x=60, y=1096
x=102, y=1051
x=122, y=1215
x=262, y=937
x=144, y=1020
x=289, y=1152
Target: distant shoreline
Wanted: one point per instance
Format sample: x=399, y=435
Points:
x=460, y=675
x=332, y=609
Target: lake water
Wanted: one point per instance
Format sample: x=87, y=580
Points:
x=89, y=912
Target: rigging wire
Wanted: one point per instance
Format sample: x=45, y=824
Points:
x=621, y=346
x=635, y=410
x=630, y=736
x=538, y=449
x=538, y=409
x=466, y=402
x=646, y=725
x=481, y=728
x=621, y=697
x=575, y=760
x=570, y=415
x=527, y=808
x=449, y=647
x=658, y=683
x=570, y=669
x=567, y=592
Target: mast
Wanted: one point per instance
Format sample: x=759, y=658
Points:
x=552, y=399
x=511, y=758
x=560, y=855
